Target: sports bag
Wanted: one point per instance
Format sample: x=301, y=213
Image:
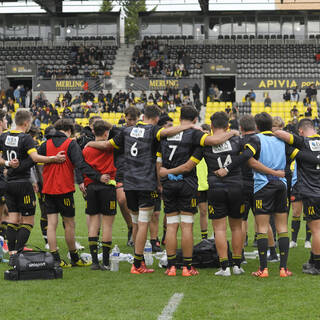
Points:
x=31, y=265
x=204, y=255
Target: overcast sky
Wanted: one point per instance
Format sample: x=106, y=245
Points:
x=162, y=5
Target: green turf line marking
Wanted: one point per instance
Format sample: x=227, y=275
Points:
x=171, y=307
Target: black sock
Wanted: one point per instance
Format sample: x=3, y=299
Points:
x=93, y=246
x=74, y=255
x=204, y=234
x=187, y=262
x=283, y=248
x=171, y=260
x=106, y=247
x=138, y=258
x=224, y=263
x=23, y=235
x=273, y=251
x=44, y=228
x=311, y=261
x=236, y=260
x=295, y=227
x=56, y=256
x=262, y=242
x=316, y=259
x=129, y=233
x=12, y=236
x=308, y=233
x=3, y=229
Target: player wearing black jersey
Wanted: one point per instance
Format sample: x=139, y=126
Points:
x=20, y=197
x=140, y=144
x=131, y=115
x=180, y=190
x=309, y=185
x=3, y=222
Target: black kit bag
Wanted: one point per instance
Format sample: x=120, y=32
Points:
x=205, y=255
x=32, y=265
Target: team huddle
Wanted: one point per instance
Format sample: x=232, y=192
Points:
x=140, y=162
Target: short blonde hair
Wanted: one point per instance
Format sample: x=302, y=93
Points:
x=277, y=122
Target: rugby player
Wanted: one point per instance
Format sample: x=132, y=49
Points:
x=101, y=198
x=20, y=197
x=309, y=186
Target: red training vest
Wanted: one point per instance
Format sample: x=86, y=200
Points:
x=101, y=161
x=58, y=178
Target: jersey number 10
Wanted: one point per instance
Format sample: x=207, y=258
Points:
x=11, y=155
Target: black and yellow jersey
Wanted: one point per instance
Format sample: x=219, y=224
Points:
x=139, y=143
x=308, y=174
x=178, y=149
x=17, y=145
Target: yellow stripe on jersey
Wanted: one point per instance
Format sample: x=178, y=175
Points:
x=32, y=150
x=203, y=139
x=15, y=131
x=158, y=134
x=113, y=144
x=314, y=136
x=251, y=148
x=294, y=153
x=195, y=160
x=291, y=139
x=266, y=132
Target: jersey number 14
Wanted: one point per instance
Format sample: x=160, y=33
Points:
x=226, y=162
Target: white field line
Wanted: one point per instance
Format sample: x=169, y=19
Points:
x=171, y=307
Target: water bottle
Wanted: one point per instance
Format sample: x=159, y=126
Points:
x=148, y=253
x=1, y=247
x=114, y=260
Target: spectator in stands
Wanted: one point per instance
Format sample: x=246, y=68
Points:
x=233, y=120
x=287, y=95
x=28, y=98
x=88, y=96
x=198, y=105
x=143, y=96
x=16, y=95
x=131, y=95
x=76, y=100
x=109, y=96
x=186, y=91
x=68, y=97
x=308, y=113
x=196, y=92
x=122, y=120
x=314, y=93
x=294, y=95
x=74, y=70
x=177, y=100
x=22, y=96
x=94, y=74
x=294, y=113
x=178, y=73
x=171, y=106
x=101, y=96
x=251, y=96
x=267, y=100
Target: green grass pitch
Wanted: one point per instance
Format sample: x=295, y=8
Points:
x=84, y=294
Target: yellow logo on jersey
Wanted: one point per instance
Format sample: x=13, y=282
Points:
x=242, y=208
x=311, y=211
x=193, y=202
x=211, y=210
x=67, y=202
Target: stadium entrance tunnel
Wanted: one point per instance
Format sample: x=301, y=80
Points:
x=225, y=84
x=26, y=81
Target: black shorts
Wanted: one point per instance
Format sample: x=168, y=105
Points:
x=3, y=188
x=311, y=209
x=225, y=202
x=295, y=194
x=272, y=198
x=157, y=201
x=202, y=196
x=20, y=198
x=139, y=199
x=178, y=196
x=101, y=199
x=247, y=200
x=60, y=203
